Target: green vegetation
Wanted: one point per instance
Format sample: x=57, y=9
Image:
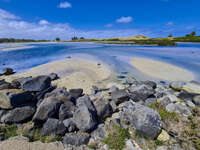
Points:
x=9, y=131
x=159, y=143
x=117, y=138
x=12, y=40
x=164, y=114
x=187, y=39
x=36, y=136
x=57, y=39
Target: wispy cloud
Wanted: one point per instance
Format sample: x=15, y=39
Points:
x=108, y=25
x=170, y=23
x=65, y=5
x=6, y=15
x=124, y=20
x=43, y=22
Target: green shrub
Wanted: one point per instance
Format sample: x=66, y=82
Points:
x=117, y=138
x=9, y=131
x=164, y=114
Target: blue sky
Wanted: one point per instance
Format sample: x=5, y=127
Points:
x=47, y=19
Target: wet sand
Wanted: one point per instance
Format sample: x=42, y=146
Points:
x=161, y=70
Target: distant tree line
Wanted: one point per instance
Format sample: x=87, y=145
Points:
x=76, y=38
x=12, y=40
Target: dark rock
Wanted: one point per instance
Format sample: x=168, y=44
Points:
x=14, y=98
x=150, y=83
x=40, y=95
x=119, y=96
x=141, y=92
x=60, y=94
x=70, y=125
x=17, y=83
x=145, y=120
x=76, y=93
x=18, y=115
x=53, y=76
x=49, y=108
x=113, y=89
x=103, y=109
x=85, y=115
x=186, y=96
x=7, y=71
x=37, y=84
x=53, y=127
x=99, y=133
x=76, y=139
x=66, y=110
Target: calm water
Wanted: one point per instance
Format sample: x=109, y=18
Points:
x=117, y=56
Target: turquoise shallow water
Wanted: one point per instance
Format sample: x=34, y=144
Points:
x=185, y=55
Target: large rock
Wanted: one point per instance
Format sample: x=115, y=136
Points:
x=60, y=94
x=103, y=108
x=37, y=84
x=18, y=115
x=7, y=71
x=53, y=127
x=14, y=98
x=85, y=115
x=150, y=83
x=192, y=87
x=17, y=83
x=119, y=96
x=76, y=139
x=99, y=133
x=140, y=92
x=66, y=110
x=76, y=93
x=53, y=76
x=184, y=110
x=69, y=124
x=47, y=109
x=146, y=121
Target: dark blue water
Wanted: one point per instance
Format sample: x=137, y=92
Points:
x=185, y=55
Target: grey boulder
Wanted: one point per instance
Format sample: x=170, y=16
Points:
x=14, y=98
x=76, y=93
x=37, y=84
x=196, y=100
x=76, y=139
x=146, y=121
x=140, y=92
x=103, y=108
x=119, y=96
x=69, y=124
x=66, y=110
x=18, y=115
x=47, y=109
x=85, y=115
x=53, y=127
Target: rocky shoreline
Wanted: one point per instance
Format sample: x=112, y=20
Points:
x=142, y=115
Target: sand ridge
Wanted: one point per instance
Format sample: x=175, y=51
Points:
x=161, y=70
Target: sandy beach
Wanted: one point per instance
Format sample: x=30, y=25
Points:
x=161, y=70
x=73, y=73
x=15, y=48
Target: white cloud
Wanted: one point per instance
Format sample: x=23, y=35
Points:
x=65, y=5
x=108, y=25
x=18, y=28
x=170, y=23
x=124, y=20
x=6, y=15
x=43, y=22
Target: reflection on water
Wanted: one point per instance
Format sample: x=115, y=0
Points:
x=117, y=56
